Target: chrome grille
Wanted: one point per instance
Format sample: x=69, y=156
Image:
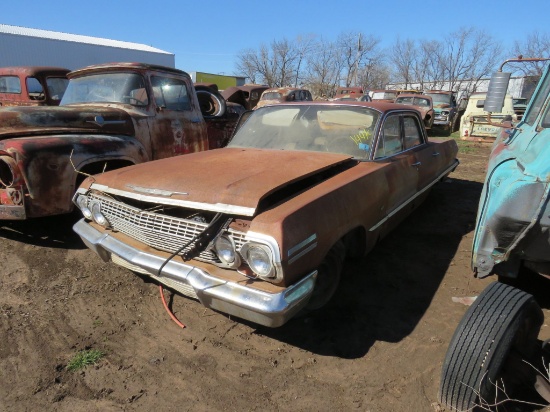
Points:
x=159, y=231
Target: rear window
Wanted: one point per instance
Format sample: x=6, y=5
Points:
x=10, y=84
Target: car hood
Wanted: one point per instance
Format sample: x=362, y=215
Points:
x=42, y=120
x=229, y=180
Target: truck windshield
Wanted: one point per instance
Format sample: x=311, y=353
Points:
x=538, y=102
x=126, y=88
x=320, y=128
x=440, y=98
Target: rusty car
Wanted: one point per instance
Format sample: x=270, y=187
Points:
x=32, y=85
x=349, y=93
x=247, y=95
x=494, y=353
x=284, y=94
x=422, y=103
x=383, y=95
x=448, y=111
x=475, y=126
x=111, y=116
x=260, y=229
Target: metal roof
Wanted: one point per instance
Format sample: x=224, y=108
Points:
x=54, y=35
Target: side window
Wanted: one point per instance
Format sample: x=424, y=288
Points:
x=10, y=84
x=390, y=139
x=170, y=93
x=35, y=89
x=413, y=134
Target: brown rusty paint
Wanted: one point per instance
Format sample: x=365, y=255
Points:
x=248, y=95
x=22, y=73
x=44, y=140
x=361, y=196
x=286, y=94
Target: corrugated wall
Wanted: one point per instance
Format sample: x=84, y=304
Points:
x=16, y=50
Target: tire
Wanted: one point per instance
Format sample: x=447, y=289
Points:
x=211, y=104
x=503, y=322
x=328, y=277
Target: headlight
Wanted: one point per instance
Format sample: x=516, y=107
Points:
x=259, y=259
x=82, y=203
x=97, y=215
x=226, y=251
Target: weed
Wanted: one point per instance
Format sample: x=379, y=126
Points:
x=85, y=358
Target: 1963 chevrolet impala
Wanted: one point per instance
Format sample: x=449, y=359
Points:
x=260, y=229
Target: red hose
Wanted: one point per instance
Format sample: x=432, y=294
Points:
x=181, y=325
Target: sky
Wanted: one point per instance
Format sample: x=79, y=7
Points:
x=207, y=36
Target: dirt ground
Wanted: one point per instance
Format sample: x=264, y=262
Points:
x=378, y=346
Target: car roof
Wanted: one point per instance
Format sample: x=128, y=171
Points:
x=382, y=107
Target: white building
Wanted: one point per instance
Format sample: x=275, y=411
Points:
x=21, y=46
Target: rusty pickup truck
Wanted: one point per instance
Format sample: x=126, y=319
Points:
x=260, y=229
x=32, y=85
x=111, y=116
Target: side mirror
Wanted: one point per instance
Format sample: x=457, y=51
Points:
x=498, y=86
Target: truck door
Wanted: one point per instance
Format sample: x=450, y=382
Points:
x=178, y=126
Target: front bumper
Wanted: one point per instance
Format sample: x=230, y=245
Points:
x=243, y=301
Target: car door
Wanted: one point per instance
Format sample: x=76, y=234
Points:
x=400, y=170
x=430, y=157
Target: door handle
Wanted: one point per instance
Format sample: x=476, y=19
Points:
x=416, y=164
x=435, y=154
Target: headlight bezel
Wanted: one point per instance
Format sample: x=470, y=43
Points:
x=270, y=274
x=230, y=245
x=82, y=202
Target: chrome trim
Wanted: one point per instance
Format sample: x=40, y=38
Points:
x=218, y=207
x=300, y=245
x=268, y=309
x=417, y=194
x=302, y=253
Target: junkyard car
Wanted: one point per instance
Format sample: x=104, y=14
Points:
x=284, y=94
x=520, y=104
x=476, y=126
x=495, y=350
x=32, y=85
x=422, y=103
x=448, y=111
x=383, y=95
x=247, y=96
x=260, y=229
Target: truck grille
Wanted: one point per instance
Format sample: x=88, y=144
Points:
x=159, y=231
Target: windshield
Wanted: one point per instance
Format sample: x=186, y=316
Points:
x=107, y=87
x=320, y=128
x=383, y=96
x=440, y=98
x=271, y=96
x=56, y=87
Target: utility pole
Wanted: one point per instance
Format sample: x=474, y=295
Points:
x=357, y=58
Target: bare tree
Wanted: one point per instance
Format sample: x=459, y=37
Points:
x=536, y=45
x=356, y=50
x=468, y=54
x=324, y=69
x=403, y=55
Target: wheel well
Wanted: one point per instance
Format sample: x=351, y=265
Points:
x=100, y=167
x=355, y=242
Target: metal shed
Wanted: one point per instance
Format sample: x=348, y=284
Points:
x=21, y=46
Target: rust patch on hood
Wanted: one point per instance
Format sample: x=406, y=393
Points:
x=23, y=121
x=229, y=176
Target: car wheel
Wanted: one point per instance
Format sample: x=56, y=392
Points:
x=328, y=277
x=490, y=348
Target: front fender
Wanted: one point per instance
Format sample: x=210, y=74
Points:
x=48, y=165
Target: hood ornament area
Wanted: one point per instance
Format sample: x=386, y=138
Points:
x=157, y=192
x=100, y=121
